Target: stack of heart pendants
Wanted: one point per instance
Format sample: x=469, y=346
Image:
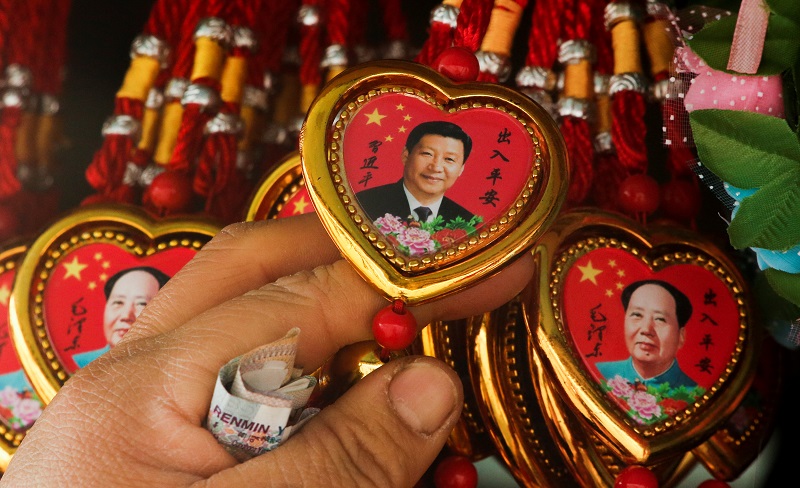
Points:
x=632, y=345
x=71, y=293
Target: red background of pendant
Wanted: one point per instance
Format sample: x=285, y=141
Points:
x=581, y=296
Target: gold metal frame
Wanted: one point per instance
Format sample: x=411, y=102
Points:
x=660, y=247
x=276, y=188
x=417, y=280
x=10, y=257
x=129, y=228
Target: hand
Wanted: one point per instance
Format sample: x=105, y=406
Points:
x=134, y=417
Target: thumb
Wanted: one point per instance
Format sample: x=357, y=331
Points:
x=385, y=431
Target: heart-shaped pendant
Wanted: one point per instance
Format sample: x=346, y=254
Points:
x=84, y=280
x=644, y=333
x=19, y=404
x=427, y=186
x=281, y=192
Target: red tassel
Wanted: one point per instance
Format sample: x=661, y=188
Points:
x=190, y=137
x=9, y=121
x=628, y=130
x=440, y=37
x=577, y=136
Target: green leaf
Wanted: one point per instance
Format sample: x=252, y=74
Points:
x=772, y=306
x=770, y=217
x=786, y=285
x=744, y=149
x=786, y=8
x=781, y=46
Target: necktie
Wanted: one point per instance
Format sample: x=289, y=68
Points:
x=423, y=213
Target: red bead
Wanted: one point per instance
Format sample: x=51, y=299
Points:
x=636, y=477
x=458, y=64
x=713, y=484
x=680, y=199
x=9, y=223
x=455, y=472
x=639, y=194
x=394, y=327
x=169, y=193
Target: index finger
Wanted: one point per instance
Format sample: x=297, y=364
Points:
x=241, y=257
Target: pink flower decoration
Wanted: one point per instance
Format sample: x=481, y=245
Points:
x=620, y=386
x=719, y=90
x=389, y=224
x=28, y=410
x=417, y=240
x=644, y=404
x=9, y=397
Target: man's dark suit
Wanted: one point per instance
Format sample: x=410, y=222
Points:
x=391, y=199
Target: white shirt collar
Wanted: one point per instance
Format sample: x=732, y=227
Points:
x=414, y=203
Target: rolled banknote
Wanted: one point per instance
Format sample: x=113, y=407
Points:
x=260, y=399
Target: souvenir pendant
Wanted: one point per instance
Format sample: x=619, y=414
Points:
x=281, y=192
x=73, y=297
x=503, y=380
x=19, y=404
x=427, y=186
x=645, y=334
x=449, y=341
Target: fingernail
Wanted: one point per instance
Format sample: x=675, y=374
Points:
x=423, y=396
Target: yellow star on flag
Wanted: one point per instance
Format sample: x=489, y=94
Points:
x=407, y=118
x=589, y=272
x=621, y=273
x=609, y=293
x=92, y=285
x=612, y=263
x=98, y=256
x=400, y=106
x=106, y=265
x=74, y=268
x=389, y=139
x=4, y=294
x=402, y=129
x=103, y=277
x=375, y=117
x=300, y=207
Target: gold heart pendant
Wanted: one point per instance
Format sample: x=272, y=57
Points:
x=281, y=192
x=645, y=334
x=19, y=404
x=427, y=186
x=72, y=298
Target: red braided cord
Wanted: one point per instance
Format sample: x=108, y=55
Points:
x=52, y=62
x=217, y=178
x=184, y=48
x=311, y=49
x=337, y=13
x=440, y=37
x=472, y=23
x=628, y=130
x=9, y=121
x=394, y=20
x=274, y=31
x=577, y=21
x=106, y=171
x=5, y=12
x=195, y=116
x=357, y=30
x=601, y=39
x=608, y=172
x=545, y=31
x=20, y=44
